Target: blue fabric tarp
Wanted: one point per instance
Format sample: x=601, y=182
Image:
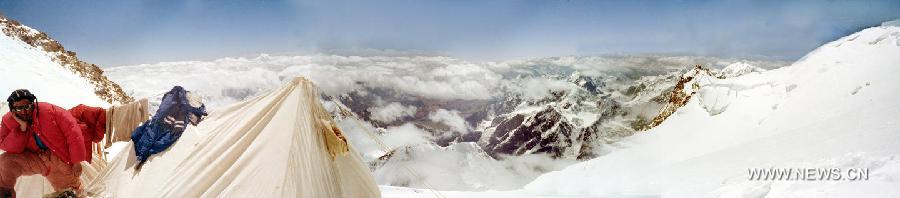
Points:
x=165, y=127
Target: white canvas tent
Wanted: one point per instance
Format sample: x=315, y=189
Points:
x=278, y=145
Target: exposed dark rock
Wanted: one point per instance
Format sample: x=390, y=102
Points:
x=679, y=97
x=545, y=132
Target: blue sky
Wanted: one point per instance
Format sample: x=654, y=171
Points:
x=112, y=33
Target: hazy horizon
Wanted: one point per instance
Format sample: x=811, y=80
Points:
x=112, y=33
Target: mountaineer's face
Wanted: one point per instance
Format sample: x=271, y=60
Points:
x=23, y=109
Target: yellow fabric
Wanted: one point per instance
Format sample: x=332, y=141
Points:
x=334, y=138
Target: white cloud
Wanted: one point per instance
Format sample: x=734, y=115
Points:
x=537, y=88
x=224, y=81
x=360, y=135
x=374, y=142
x=429, y=77
x=405, y=135
x=451, y=119
x=463, y=166
x=392, y=112
x=227, y=80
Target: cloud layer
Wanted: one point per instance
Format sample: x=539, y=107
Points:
x=227, y=80
x=391, y=112
x=450, y=118
x=423, y=84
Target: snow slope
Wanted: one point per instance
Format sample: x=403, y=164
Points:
x=837, y=107
x=32, y=68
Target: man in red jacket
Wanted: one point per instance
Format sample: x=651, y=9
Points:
x=40, y=138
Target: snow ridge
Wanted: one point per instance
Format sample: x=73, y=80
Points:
x=107, y=90
x=839, y=100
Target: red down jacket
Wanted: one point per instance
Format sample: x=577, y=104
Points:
x=54, y=125
x=92, y=121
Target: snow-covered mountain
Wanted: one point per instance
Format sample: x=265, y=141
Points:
x=33, y=61
x=563, y=108
x=647, y=125
x=837, y=107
